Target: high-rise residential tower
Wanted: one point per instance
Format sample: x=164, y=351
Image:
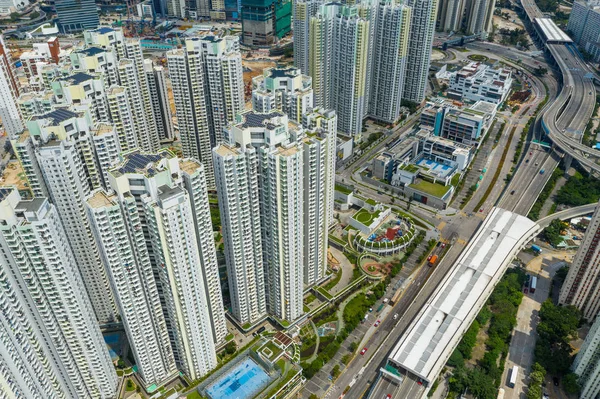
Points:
x=157, y=84
x=338, y=63
x=422, y=29
x=65, y=153
x=319, y=143
x=390, y=44
x=480, y=17
x=224, y=81
x=284, y=89
x=582, y=286
x=118, y=232
x=208, y=90
x=171, y=201
x=587, y=363
x=270, y=169
x=37, y=258
x=304, y=10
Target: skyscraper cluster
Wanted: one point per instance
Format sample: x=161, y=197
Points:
x=116, y=229
x=365, y=58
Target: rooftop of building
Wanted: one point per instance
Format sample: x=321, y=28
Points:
x=167, y=192
x=283, y=72
x=189, y=165
x=78, y=78
x=91, y=51
x=30, y=205
x=226, y=150
x=432, y=336
x=100, y=199
x=256, y=119
x=287, y=151
x=484, y=106
x=139, y=162
x=103, y=30
x=57, y=116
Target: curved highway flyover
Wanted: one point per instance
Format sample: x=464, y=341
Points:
x=564, y=121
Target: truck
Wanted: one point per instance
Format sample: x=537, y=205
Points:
x=433, y=259
x=536, y=249
x=500, y=393
x=380, y=307
x=514, y=372
x=533, y=284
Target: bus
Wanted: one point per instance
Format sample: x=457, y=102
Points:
x=514, y=372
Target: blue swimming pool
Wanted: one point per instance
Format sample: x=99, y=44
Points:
x=241, y=382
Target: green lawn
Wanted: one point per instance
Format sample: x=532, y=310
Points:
x=365, y=217
x=342, y=189
x=478, y=57
x=410, y=168
x=275, y=350
x=437, y=190
x=194, y=395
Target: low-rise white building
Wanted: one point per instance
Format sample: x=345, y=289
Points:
x=478, y=81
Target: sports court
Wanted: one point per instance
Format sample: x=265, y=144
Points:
x=243, y=381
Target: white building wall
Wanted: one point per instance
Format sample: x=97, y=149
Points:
x=66, y=178
x=237, y=187
x=134, y=286
x=38, y=250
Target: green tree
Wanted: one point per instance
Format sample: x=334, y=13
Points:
x=313, y=396
x=346, y=358
x=335, y=371
x=353, y=346
x=571, y=384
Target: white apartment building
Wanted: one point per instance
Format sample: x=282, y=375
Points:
x=236, y=178
x=480, y=17
x=224, y=81
x=422, y=29
x=450, y=15
x=274, y=168
x=587, y=365
x=303, y=11
x=319, y=148
x=42, y=54
x=157, y=84
x=191, y=101
x=143, y=117
x=122, y=117
x=390, y=52
x=9, y=92
x=83, y=91
x=66, y=157
x=172, y=203
x=35, y=103
x=24, y=369
x=581, y=287
x=479, y=82
x=349, y=69
x=37, y=255
x=584, y=25
x=118, y=232
x=127, y=59
x=284, y=89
